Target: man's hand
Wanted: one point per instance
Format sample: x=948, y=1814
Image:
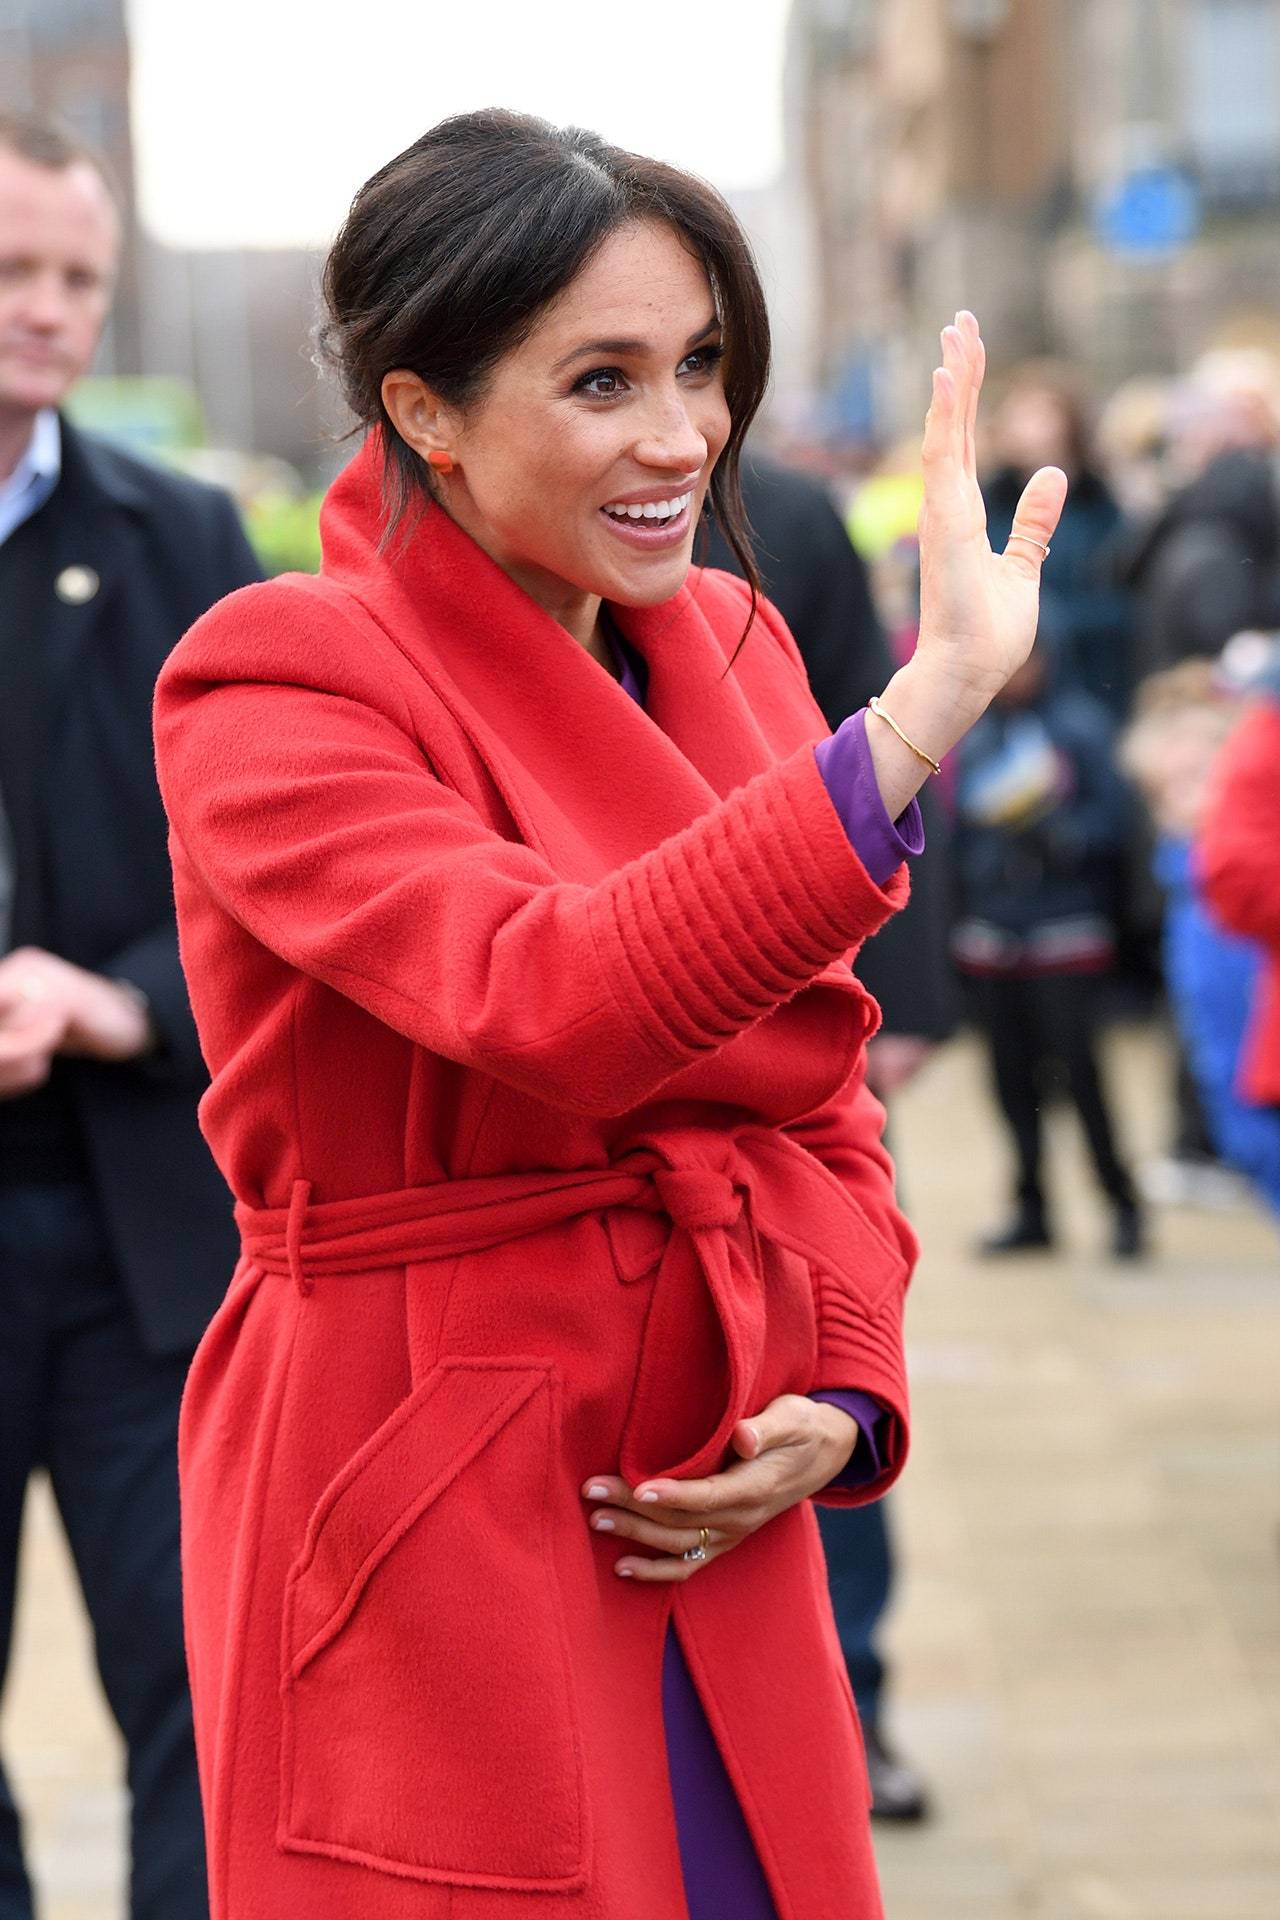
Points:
x=792, y=1449
x=48, y=1007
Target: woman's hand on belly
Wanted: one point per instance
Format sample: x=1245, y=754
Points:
x=786, y=1453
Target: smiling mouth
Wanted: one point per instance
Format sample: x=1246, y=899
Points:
x=655, y=510
x=654, y=523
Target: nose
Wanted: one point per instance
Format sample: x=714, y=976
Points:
x=44, y=304
x=671, y=438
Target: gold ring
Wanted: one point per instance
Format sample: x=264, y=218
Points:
x=704, y=1537
x=699, y=1553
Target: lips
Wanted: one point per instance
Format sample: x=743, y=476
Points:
x=666, y=508
x=32, y=356
x=650, y=534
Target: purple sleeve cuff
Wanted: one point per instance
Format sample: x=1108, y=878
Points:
x=845, y=763
x=865, y=1462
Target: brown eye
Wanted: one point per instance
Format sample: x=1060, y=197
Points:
x=702, y=360
x=603, y=383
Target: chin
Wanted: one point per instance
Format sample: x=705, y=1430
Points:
x=30, y=396
x=650, y=586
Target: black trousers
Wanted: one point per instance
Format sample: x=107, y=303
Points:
x=859, y=1554
x=1043, y=1032
x=80, y=1398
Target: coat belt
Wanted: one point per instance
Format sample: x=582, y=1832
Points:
x=701, y=1183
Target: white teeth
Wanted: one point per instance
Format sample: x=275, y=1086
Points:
x=650, y=509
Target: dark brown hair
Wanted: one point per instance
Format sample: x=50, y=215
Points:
x=1066, y=386
x=453, y=249
x=45, y=142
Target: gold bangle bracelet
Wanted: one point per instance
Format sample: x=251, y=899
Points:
x=919, y=752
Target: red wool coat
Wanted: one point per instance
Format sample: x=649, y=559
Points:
x=537, y=1077
x=1239, y=865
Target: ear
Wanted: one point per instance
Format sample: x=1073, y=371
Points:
x=417, y=413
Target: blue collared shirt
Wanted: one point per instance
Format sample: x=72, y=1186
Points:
x=35, y=476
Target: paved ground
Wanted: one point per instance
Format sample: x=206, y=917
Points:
x=1088, y=1643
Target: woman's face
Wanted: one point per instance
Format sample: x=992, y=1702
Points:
x=583, y=467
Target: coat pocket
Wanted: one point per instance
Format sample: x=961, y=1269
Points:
x=428, y=1716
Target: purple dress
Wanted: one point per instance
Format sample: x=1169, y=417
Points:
x=722, y=1873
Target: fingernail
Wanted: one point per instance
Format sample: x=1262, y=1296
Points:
x=649, y=1494
x=596, y=1492
x=602, y=1523
x=623, y=1573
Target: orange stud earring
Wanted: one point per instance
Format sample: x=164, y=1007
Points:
x=440, y=460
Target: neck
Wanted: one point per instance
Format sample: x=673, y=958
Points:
x=15, y=437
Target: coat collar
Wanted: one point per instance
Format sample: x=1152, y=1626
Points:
x=591, y=778
x=90, y=466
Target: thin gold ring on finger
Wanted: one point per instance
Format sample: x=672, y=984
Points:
x=699, y=1553
x=1031, y=542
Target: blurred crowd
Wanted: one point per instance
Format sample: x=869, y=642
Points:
x=1108, y=838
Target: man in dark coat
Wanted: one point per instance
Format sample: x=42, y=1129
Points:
x=115, y=1238
x=818, y=582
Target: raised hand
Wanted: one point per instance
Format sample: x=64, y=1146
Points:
x=978, y=610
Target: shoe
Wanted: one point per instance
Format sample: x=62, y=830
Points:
x=1128, y=1233
x=897, y=1791
x=1182, y=1180
x=1027, y=1232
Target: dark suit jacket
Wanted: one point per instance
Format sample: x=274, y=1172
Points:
x=163, y=549
x=816, y=579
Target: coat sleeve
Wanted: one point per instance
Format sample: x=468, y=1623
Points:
x=860, y=1336
x=151, y=963
x=1237, y=860
x=314, y=819
x=150, y=960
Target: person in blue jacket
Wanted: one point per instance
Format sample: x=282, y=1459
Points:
x=1043, y=816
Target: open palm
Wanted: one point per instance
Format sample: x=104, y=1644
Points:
x=978, y=609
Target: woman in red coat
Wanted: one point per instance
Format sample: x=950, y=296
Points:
x=517, y=909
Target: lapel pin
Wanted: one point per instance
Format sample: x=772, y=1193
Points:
x=76, y=585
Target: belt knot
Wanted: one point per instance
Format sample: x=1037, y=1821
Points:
x=696, y=1197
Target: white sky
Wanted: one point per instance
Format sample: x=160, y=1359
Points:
x=256, y=120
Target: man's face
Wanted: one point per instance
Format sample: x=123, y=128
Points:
x=59, y=243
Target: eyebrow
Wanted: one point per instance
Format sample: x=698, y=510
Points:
x=625, y=347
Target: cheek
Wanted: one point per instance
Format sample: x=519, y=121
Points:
x=84, y=327
x=716, y=425
x=552, y=477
